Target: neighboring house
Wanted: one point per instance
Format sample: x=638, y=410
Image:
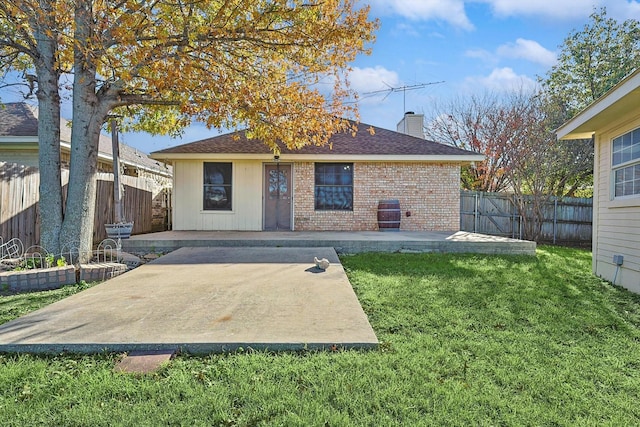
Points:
x=19, y=144
x=229, y=182
x=614, y=123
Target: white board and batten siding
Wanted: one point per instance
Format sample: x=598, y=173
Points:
x=616, y=221
x=246, y=213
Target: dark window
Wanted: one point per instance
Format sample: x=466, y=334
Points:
x=217, y=187
x=334, y=186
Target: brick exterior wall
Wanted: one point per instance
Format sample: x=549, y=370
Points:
x=430, y=192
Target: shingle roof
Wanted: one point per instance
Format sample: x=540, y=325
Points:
x=131, y=156
x=381, y=142
x=21, y=119
x=17, y=119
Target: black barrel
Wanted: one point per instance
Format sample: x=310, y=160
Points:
x=389, y=215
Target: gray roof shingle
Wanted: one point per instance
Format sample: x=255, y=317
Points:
x=381, y=142
x=17, y=119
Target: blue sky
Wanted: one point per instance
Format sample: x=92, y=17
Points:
x=472, y=46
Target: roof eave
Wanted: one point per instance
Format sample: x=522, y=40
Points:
x=109, y=158
x=433, y=158
x=18, y=140
x=162, y=172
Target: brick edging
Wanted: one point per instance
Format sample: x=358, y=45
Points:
x=56, y=277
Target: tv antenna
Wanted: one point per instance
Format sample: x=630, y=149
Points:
x=402, y=89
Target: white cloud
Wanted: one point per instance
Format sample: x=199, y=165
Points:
x=500, y=80
x=364, y=80
x=481, y=54
x=520, y=49
x=529, y=50
x=453, y=12
x=551, y=8
x=449, y=11
x=405, y=28
x=564, y=9
x=623, y=10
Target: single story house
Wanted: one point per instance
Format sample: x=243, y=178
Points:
x=614, y=123
x=19, y=144
x=229, y=182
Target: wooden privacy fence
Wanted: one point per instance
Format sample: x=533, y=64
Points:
x=564, y=220
x=137, y=201
x=19, y=203
x=19, y=195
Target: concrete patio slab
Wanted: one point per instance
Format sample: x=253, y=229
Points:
x=204, y=300
x=341, y=241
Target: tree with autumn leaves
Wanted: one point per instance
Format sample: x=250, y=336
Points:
x=276, y=67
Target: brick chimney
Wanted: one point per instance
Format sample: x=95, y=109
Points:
x=411, y=124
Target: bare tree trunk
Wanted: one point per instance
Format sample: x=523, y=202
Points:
x=77, y=227
x=88, y=117
x=50, y=204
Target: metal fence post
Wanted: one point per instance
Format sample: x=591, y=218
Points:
x=555, y=219
x=475, y=214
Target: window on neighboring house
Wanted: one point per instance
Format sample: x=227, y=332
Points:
x=626, y=164
x=217, y=187
x=334, y=186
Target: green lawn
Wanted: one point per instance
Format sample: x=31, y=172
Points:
x=13, y=306
x=466, y=340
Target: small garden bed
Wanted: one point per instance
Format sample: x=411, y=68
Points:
x=36, y=269
x=41, y=279
x=37, y=279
